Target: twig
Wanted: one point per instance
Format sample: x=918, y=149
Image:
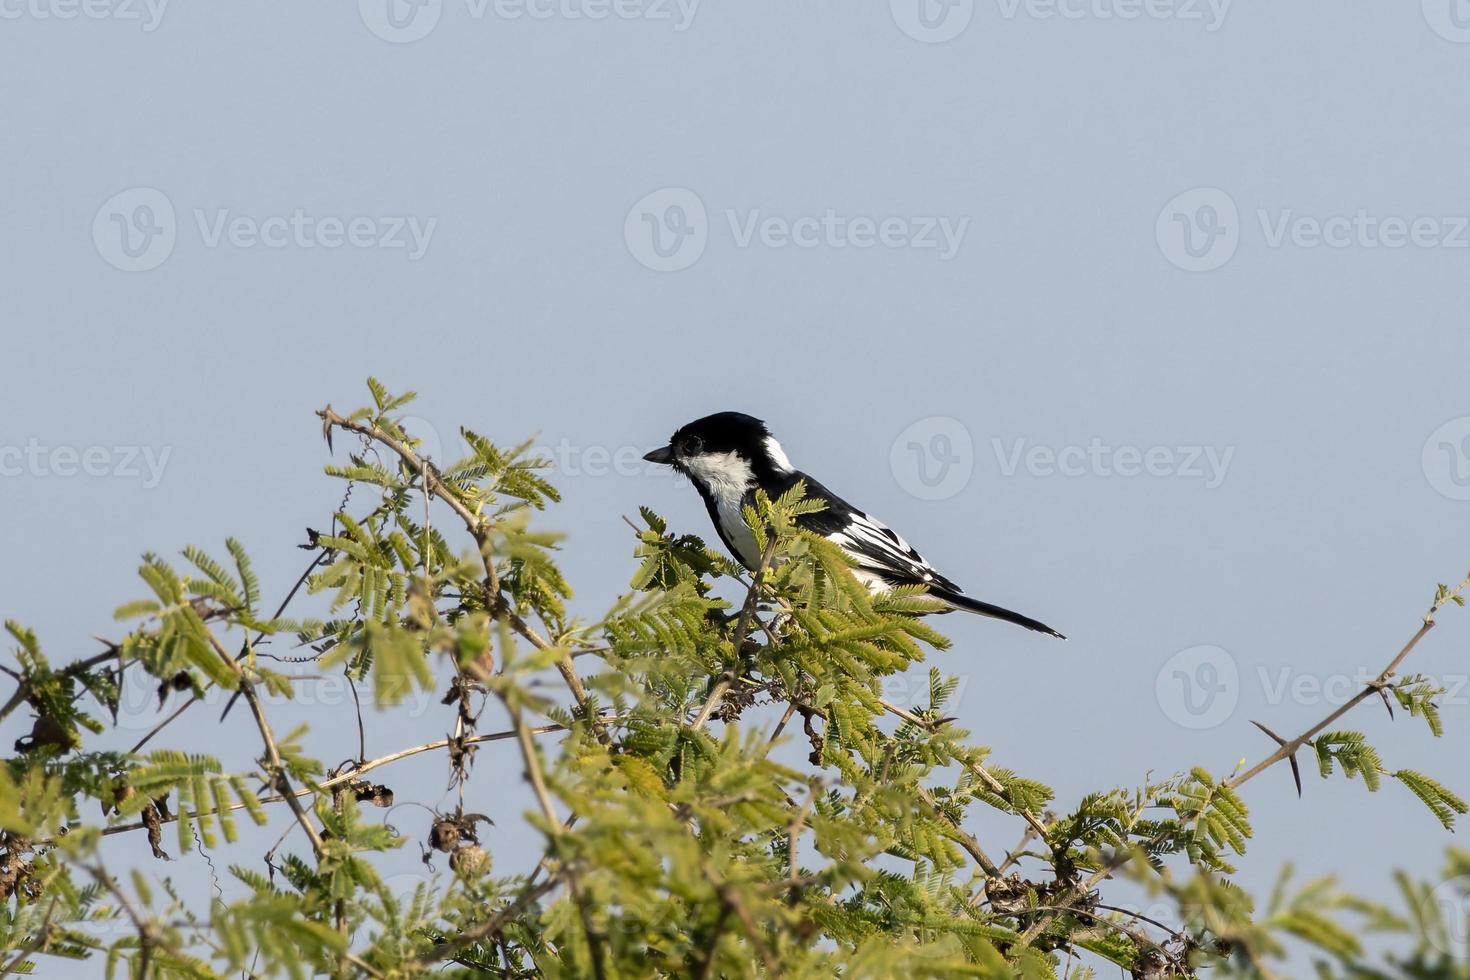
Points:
x=23, y=690
x=965, y=839
x=279, y=780
x=748, y=925
x=996, y=786
x=469, y=937
x=363, y=965
x=794, y=829
x=345, y=777
x=34, y=944
x=742, y=630
x=785, y=719
x=1286, y=750
x=1027, y=836
x=480, y=531
x=276, y=767
x=537, y=780
x=146, y=934
x=244, y=649
x=706, y=968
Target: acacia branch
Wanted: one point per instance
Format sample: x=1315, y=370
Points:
x=490, y=927
x=537, y=779
x=995, y=785
x=481, y=532
x=965, y=839
x=794, y=829
x=1285, y=750
x=742, y=630
x=33, y=945
x=23, y=690
x=244, y=649
x=344, y=777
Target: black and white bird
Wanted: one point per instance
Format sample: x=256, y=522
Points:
x=728, y=456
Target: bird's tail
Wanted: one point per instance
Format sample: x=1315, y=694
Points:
x=961, y=601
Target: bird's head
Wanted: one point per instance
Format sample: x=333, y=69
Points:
x=724, y=452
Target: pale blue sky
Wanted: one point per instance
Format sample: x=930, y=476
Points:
x=1233, y=232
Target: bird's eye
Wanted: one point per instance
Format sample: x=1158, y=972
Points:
x=692, y=446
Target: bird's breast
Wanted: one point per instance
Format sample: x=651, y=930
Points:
x=730, y=516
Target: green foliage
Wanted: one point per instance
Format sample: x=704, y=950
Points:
x=1442, y=802
x=720, y=783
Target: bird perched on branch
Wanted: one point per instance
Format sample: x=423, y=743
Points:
x=728, y=456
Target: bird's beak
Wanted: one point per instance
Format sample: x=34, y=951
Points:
x=663, y=455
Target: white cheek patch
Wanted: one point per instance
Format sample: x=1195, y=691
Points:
x=725, y=475
x=778, y=455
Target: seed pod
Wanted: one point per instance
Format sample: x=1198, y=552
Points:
x=470, y=861
x=444, y=835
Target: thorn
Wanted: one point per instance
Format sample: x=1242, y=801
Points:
x=1383, y=693
x=230, y=704
x=1296, y=773
x=1272, y=735
x=327, y=426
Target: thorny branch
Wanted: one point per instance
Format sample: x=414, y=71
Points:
x=480, y=531
x=1066, y=902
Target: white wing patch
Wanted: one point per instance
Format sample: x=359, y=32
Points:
x=777, y=456
x=879, y=548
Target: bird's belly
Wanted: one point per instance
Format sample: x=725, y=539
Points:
x=872, y=580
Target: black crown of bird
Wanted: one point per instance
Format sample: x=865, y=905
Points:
x=730, y=455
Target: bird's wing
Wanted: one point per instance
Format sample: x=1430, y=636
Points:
x=874, y=545
x=881, y=551
x=879, y=548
